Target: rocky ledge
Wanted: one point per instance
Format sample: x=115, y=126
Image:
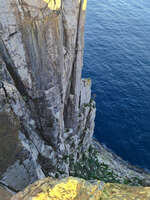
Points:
x=78, y=189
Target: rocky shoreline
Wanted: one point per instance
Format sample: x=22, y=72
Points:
x=122, y=168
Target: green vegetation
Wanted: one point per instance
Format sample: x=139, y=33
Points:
x=89, y=168
x=133, y=181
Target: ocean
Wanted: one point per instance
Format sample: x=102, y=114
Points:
x=117, y=59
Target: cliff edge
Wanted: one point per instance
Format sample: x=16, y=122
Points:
x=46, y=110
x=78, y=189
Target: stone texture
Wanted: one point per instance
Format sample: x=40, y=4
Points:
x=16, y=160
x=78, y=189
x=4, y=194
x=41, y=48
x=102, y=164
x=47, y=107
x=123, y=171
x=8, y=141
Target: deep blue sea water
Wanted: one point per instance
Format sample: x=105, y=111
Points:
x=117, y=58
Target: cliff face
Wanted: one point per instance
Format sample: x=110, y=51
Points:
x=42, y=94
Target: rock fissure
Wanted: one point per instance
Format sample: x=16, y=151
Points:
x=4, y=89
x=41, y=48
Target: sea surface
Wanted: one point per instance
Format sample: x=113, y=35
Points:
x=117, y=58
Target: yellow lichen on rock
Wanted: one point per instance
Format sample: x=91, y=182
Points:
x=84, y=4
x=70, y=189
x=124, y=192
x=54, y=4
x=65, y=190
x=78, y=189
x=41, y=196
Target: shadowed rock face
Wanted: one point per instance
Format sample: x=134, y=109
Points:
x=79, y=189
x=9, y=142
x=15, y=160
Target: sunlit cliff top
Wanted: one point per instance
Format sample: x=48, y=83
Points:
x=56, y=4
x=78, y=189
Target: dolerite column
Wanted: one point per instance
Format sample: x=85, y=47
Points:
x=43, y=96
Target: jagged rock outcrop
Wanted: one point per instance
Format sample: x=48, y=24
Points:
x=42, y=93
x=78, y=189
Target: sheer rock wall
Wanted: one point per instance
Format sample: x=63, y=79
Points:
x=41, y=50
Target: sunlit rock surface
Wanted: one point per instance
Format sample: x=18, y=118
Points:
x=65, y=189
x=79, y=189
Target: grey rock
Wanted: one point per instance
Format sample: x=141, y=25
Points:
x=41, y=49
